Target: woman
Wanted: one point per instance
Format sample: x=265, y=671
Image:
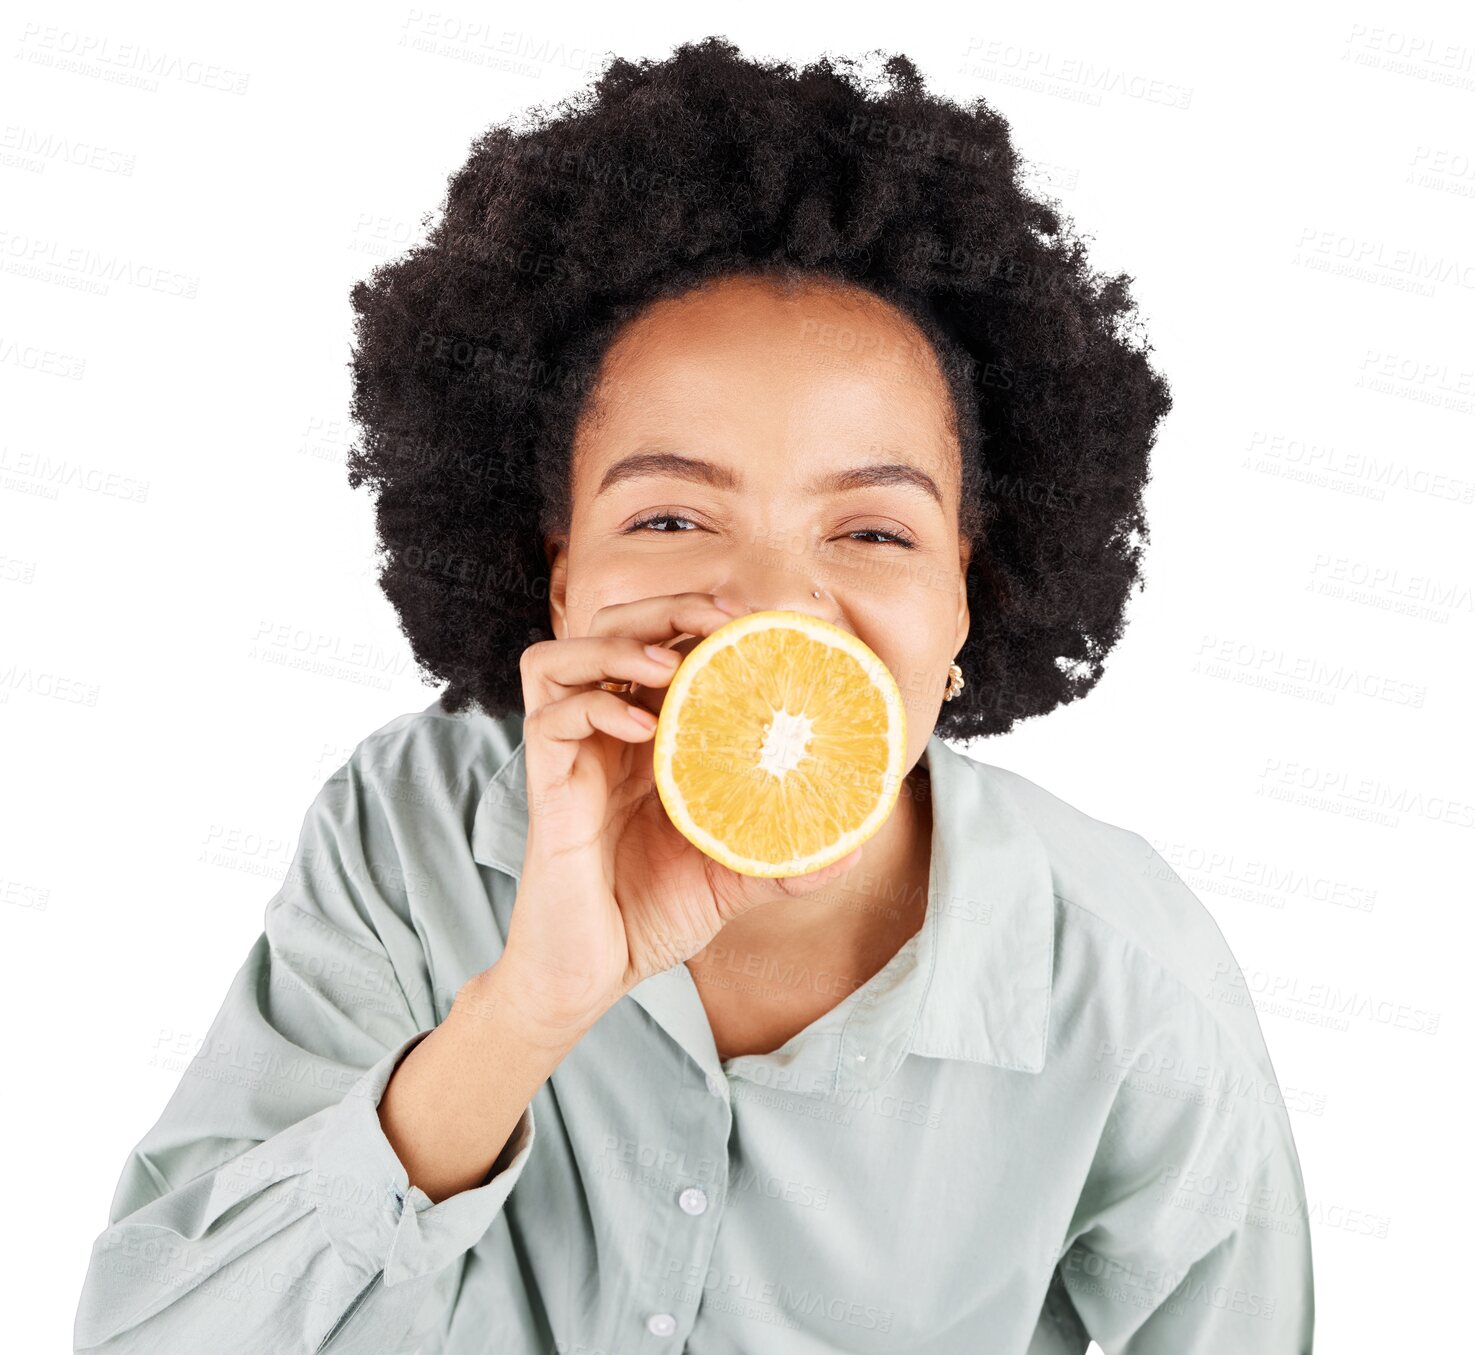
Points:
x=513, y=1067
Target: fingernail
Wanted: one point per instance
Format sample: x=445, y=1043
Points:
x=642, y=717
x=729, y=606
x=661, y=654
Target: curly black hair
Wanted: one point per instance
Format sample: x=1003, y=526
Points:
x=476, y=352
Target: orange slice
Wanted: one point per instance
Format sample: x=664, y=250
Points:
x=781, y=744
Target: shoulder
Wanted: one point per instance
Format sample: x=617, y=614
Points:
x=407, y=793
x=1111, y=877
x=1130, y=935
x=434, y=749
x=388, y=834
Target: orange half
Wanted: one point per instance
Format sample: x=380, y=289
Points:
x=781, y=744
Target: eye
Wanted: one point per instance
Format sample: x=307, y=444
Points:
x=891, y=538
x=659, y=517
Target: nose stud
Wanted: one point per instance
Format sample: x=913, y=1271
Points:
x=816, y=592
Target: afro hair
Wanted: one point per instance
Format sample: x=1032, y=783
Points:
x=476, y=351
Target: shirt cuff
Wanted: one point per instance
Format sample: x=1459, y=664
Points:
x=374, y=1219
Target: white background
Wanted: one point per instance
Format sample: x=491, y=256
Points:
x=1285, y=720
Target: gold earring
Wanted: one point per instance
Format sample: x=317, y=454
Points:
x=954, y=682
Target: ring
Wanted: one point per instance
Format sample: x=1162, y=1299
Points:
x=619, y=687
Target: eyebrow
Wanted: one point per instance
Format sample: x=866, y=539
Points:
x=721, y=477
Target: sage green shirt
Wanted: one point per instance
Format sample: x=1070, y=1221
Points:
x=1049, y=1118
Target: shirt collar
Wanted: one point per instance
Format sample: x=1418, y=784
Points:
x=973, y=983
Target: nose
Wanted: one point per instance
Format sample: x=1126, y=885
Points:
x=783, y=594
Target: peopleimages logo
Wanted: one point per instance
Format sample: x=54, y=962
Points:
x=1332, y=788
x=1315, y=1002
x=1300, y=674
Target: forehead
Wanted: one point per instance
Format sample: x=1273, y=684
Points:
x=812, y=368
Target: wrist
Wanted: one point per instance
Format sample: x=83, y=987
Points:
x=504, y=994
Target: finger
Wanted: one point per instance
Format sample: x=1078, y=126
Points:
x=551, y=666
x=661, y=618
x=553, y=733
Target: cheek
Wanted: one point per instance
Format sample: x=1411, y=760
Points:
x=599, y=579
x=914, y=641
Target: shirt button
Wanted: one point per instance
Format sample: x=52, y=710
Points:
x=693, y=1199
x=660, y=1324
x=714, y=1084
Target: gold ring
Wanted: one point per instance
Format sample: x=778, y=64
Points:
x=619, y=687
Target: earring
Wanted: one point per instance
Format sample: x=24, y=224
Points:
x=954, y=682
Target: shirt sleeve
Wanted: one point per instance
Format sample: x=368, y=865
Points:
x=266, y=1210
x=1191, y=1236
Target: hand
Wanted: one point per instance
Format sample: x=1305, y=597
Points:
x=610, y=892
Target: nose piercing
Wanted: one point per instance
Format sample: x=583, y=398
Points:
x=816, y=592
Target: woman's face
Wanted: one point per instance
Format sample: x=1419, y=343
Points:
x=764, y=446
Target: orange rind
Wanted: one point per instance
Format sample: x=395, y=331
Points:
x=781, y=744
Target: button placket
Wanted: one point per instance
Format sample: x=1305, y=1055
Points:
x=698, y=1124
